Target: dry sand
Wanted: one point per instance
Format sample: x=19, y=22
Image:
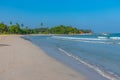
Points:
x=21, y=60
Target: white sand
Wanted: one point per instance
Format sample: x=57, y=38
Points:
x=21, y=60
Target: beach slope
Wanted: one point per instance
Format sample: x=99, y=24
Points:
x=21, y=60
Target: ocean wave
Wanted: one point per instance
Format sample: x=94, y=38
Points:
x=98, y=40
x=75, y=38
x=115, y=38
x=106, y=74
x=101, y=37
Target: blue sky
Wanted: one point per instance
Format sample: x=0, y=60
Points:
x=98, y=15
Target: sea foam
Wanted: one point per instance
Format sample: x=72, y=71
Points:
x=115, y=38
x=75, y=38
x=99, y=39
x=106, y=74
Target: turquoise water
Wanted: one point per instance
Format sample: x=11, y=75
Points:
x=100, y=52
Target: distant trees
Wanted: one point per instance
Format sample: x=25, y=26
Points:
x=64, y=30
x=15, y=29
x=3, y=28
x=21, y=29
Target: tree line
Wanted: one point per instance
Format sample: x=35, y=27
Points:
x=21, y=29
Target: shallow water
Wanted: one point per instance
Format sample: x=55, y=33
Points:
x=98, y=52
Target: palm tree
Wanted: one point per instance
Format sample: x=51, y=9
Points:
x=18, y=24
x=41, y=29
x=41, y=24
x=11, y=23
x=22, y=25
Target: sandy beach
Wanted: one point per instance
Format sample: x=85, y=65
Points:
x=21, y=60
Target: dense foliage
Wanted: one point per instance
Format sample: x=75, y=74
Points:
x=21, y=29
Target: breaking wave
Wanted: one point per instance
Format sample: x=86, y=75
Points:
x=99, y=39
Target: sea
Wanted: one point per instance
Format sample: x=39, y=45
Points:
x=97, y=56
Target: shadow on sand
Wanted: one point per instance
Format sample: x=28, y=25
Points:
x=4, y=45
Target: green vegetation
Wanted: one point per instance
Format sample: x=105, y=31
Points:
x=3, y=28
x=21, y=29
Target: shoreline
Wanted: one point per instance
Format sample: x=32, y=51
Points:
x=22, y=60
x=90, y=73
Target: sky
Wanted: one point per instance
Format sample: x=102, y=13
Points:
x=98, y=15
